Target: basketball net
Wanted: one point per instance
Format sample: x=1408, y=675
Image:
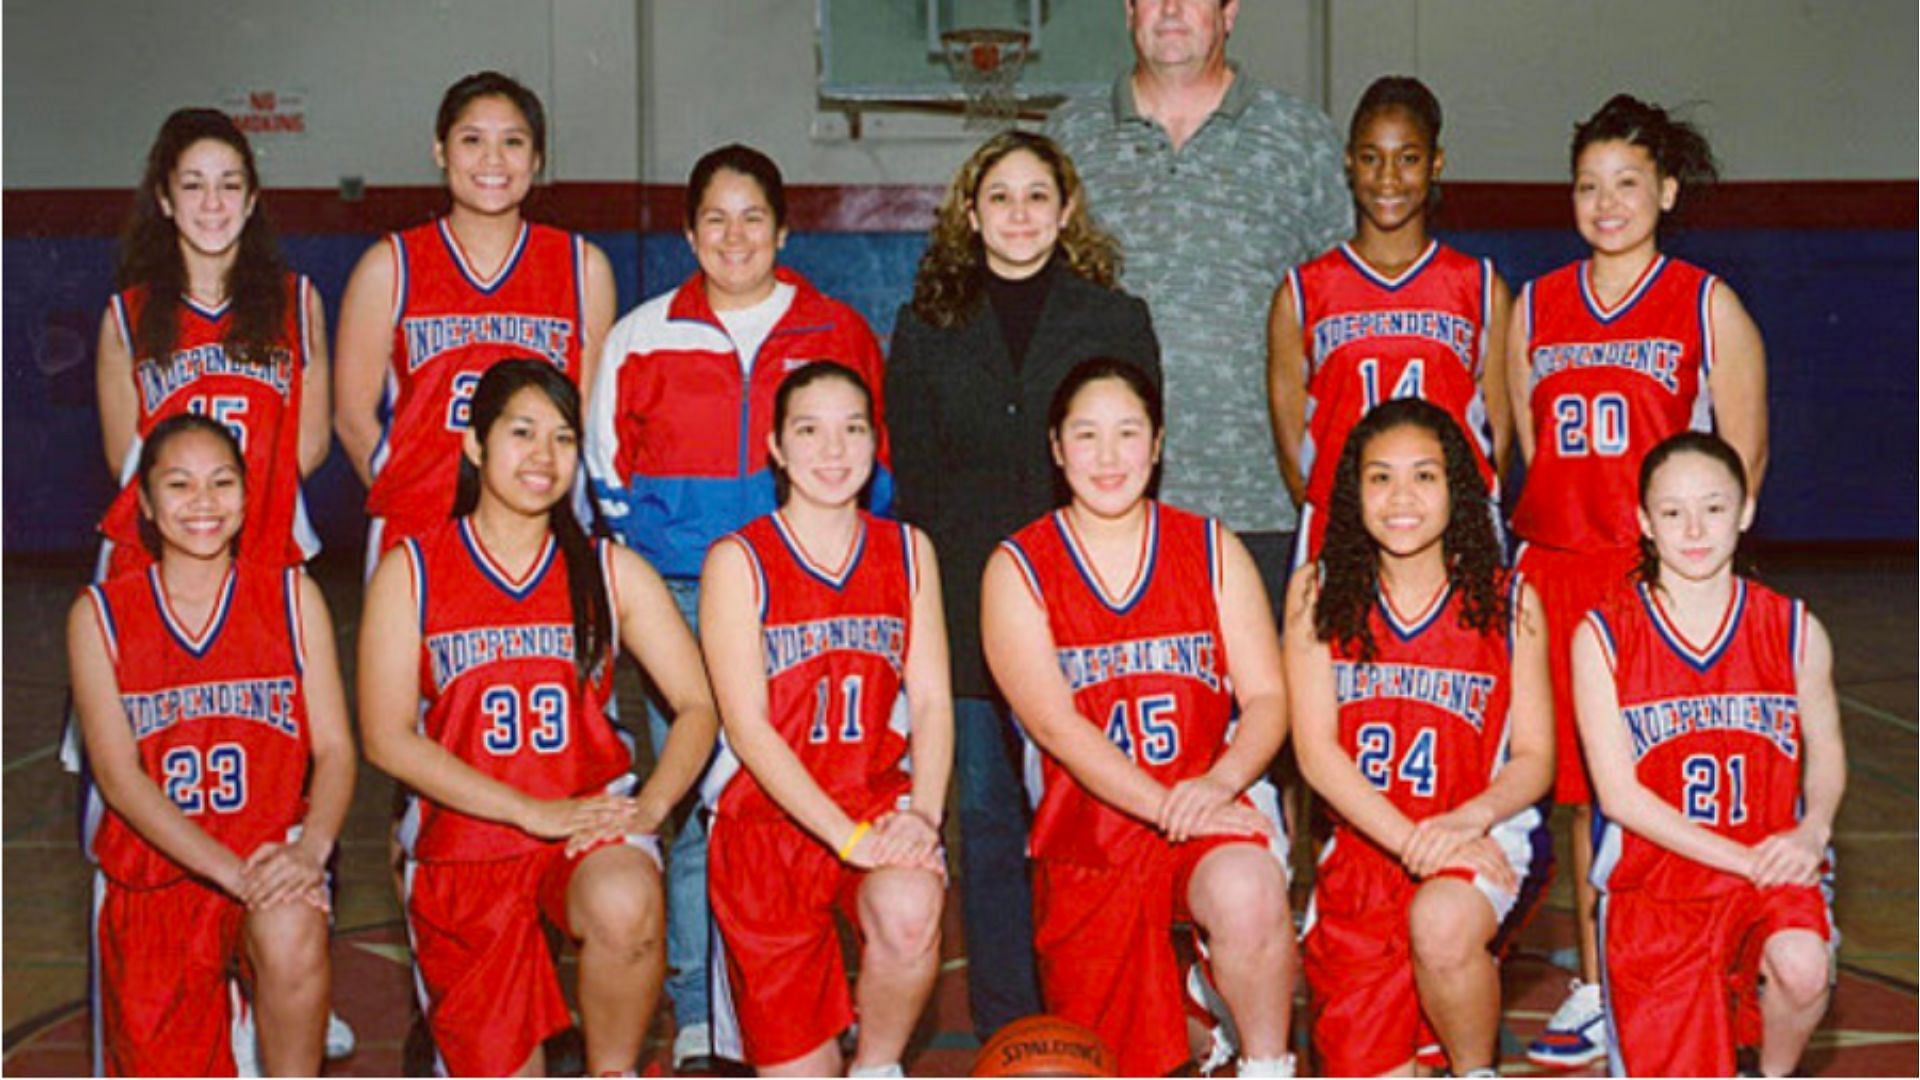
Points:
x=986, y=62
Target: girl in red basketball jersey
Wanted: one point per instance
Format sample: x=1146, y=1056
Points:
x=1429, y=737
x=815, y=619
x=506, y=622
x=1606, y=357
x=209, y=320
x=1392, y=313
x=428, y=310
x=1712, y=730
x=1124, y=634
x=216, y=728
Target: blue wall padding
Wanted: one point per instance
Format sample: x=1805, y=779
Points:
x=1837, y=308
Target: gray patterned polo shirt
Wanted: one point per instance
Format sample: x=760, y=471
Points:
x=1207, y=233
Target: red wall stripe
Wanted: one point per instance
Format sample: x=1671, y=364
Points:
x=620, y=207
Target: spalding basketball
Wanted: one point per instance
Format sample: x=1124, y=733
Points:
x=1044, y=1045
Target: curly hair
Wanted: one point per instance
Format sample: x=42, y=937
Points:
x=947, y=286
x=150, y=251
x=1350, y=557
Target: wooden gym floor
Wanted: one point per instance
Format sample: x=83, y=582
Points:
x=1866, y=599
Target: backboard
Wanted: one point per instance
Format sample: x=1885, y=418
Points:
x=889, y=51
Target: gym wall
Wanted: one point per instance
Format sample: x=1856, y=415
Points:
x=1810, y=107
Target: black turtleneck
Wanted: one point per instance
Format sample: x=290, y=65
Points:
x=1017, y=305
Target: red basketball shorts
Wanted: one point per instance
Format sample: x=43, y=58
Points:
x=1363, y=1005
x=774, y=890
x=492, y=992
x=1570, y=584
x=1104, y=940
x=1680, y=973
x=165, y=955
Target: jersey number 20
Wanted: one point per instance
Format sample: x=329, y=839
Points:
x=1597, y=426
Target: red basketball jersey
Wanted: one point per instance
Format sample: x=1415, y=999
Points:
x=1608, y=385
x=1714, y=728
x=1369, y=338
x=1148, y=666
x=258, y=402
x=1425, y=720
x=836, y=645
x=219, y=713
x=501, y=692
x=449, y=326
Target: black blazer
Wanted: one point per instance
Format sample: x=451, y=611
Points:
x=968, y=434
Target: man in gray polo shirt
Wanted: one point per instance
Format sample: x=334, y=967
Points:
x=1215, y=187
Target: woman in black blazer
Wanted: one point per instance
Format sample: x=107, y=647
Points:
x=1015, y=288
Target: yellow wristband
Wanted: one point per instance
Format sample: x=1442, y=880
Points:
x=853, y=838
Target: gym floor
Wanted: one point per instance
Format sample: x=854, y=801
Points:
x=1866, y=599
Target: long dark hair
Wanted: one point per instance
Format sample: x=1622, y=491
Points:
x=1350, y=557
x=947, y=288
x=150, y=251
x=586, y=588
x=1707, y=445
x=156, y=440
x=804, y=376
x=1678, y=148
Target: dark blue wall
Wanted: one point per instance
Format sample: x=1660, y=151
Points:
x=1838, y=308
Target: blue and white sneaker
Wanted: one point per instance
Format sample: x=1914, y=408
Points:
x=1576, y=1036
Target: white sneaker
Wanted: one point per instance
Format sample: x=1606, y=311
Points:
x=692, y=1041
x=340, y=1041
x=1576, y=1035
x=1223, y=1045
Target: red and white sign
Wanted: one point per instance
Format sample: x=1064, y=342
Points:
x=268, y=112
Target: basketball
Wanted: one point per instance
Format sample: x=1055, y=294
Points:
x=1044, y=1045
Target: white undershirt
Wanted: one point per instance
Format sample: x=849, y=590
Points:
x=749, y=326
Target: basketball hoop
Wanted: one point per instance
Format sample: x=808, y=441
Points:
x=986, y=62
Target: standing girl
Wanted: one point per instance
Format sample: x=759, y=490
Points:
x=216, y=729
x=1129, y=691
x=1015, y=288
x=1607, y=357
x=815, y=619
x=209, y=320
x=1709, y=718
x=1392, y=313
x=506, y=622
x=1428, y=735
x=428, y=310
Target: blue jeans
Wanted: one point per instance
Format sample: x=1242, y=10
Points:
x=687, y=919
x=995, y=896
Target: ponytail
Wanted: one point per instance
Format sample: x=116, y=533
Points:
x=1678, y=148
